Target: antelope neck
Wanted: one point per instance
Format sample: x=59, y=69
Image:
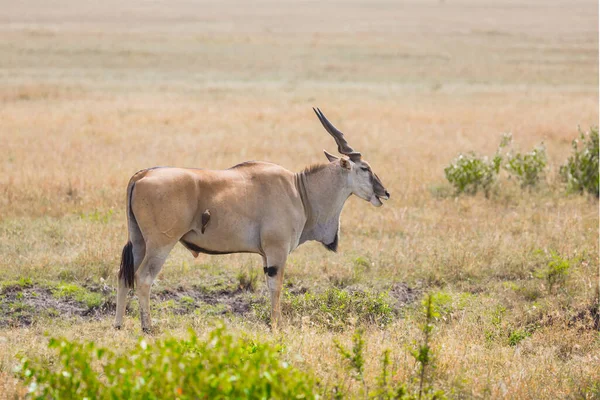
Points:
x=323, y=192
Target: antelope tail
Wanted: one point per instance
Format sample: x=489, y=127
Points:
x=126, y=272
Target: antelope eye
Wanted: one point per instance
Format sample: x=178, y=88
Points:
x=364, y=168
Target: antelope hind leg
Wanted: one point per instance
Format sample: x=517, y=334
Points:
x=139, y=250
x=144, y=277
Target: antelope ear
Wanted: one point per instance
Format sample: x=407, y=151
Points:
x=330, y=156
x=345, y=163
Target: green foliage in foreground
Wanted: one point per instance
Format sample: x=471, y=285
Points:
x=422, y=352
x=221, y=367
x=581, y=169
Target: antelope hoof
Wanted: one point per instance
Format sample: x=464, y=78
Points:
x=274, y=325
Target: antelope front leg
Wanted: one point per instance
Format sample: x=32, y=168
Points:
x=274, y=274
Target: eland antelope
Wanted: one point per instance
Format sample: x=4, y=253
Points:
x=253, y=207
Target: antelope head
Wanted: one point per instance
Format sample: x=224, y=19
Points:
x=363, y=181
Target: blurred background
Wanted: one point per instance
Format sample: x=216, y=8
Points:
x=91, y=92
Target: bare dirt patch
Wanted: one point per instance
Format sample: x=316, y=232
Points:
x=403, y=294
x=189, y=299
x=21, y=306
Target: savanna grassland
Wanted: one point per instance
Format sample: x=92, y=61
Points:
x=91, y=92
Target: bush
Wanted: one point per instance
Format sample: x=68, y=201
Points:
x=422, y=352
x=581, y=170
x=470, y=172
x=384, y=387
x=528, y=168
x=556, y=270
x=222, y=367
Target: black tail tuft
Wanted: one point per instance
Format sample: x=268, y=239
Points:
x=126, y=271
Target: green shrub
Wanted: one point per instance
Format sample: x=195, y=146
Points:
x=443, y=303
x=581, y=170
x=517, y=336
x=497, y=317
x=384, y=388
x=556, y=271
x=355, y=358
x=470, y=172
x=422, y=352
x=528, y=168
x=362, y=262
x=221, y=367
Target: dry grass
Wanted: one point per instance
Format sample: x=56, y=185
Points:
x=89, y=95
